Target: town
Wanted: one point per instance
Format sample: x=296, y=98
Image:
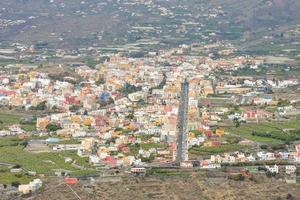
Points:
x=121, y=117
x=149, y=99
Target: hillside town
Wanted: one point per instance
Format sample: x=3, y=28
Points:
x=149, y=99
x=122, y=115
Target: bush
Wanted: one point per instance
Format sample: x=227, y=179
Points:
x=53, y=127
x=74, y=108
x=278, y=147
x=260, y=168
x=151, y=158
x=264, y=146
x=17, y=166
x=238, y=177
x=41, y=106
x=270, y=174
x=197, y=133
x=15, y=184
x=292, y=136
x=289, y=196
x=18, y=175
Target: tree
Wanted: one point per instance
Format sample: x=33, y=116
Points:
x=289, y=196
x=15, y=184
x=74, y=108
x=41, y=106
x=53, y=127
x=236, y=108
x=18, y=175
x=237, y=123
x=85, y=112
x=238, y=177
x=264, y=146
x=270, y=174
x=24, y=143
x=130, y=116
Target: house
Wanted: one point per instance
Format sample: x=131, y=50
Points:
x=212, y=144
x=67, y=147
x=110, y=161
x=208, y=133
x=274, y=169
x=215, y=159
x=220, y=132
x=93, y=159
x=33, y=186
x=251, y=158
x=290, y=169
x=79, y=133
x=42, y=123
x=284, y=155
x=72, y=100
x=137, y=96
x=208, y=165
x=266, y=156
x=88, y=143
x=64, y=133
x=229, y=159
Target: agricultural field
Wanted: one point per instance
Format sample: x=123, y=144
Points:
x=42, y=163
x=269, y=133
x=7, y=119
x=196, y=185
x=9, y=141
x=164, y=173
x=134, y=148
x=216, y=150
x=6, y=177
x=70, y=141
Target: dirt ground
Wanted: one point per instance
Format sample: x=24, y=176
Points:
x=196, y=186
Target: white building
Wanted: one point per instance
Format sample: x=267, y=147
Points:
x=33, y=186
x=274, y=169
x=290, y=169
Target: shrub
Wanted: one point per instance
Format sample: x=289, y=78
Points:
x=53, y=127
x=15, y=184
x=238, y=177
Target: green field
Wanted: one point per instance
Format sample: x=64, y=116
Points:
x=134, y=148
x=9, y=141
x=12, y=151
x=164, y=173
x=8, y=119
x=8, y=178
x=70, y=141
x=246, y=130
x=216, y=150
x=42, y=163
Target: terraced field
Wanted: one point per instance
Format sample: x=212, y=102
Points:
x=199, y=186
x=246, y=130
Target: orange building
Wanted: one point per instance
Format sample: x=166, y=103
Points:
x=220, y=132
x=42, y=123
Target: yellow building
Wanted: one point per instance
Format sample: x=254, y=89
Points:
x=87, y=121
x=220, y=132
x=42, y=123
x=64, y=133
x=76, y=119
x=88, y=143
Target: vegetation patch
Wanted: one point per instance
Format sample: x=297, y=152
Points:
x=270, y=132
x=165, y=173
x=36, y=162
x=16, y=179
x=8, y=119
x=216, y=150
